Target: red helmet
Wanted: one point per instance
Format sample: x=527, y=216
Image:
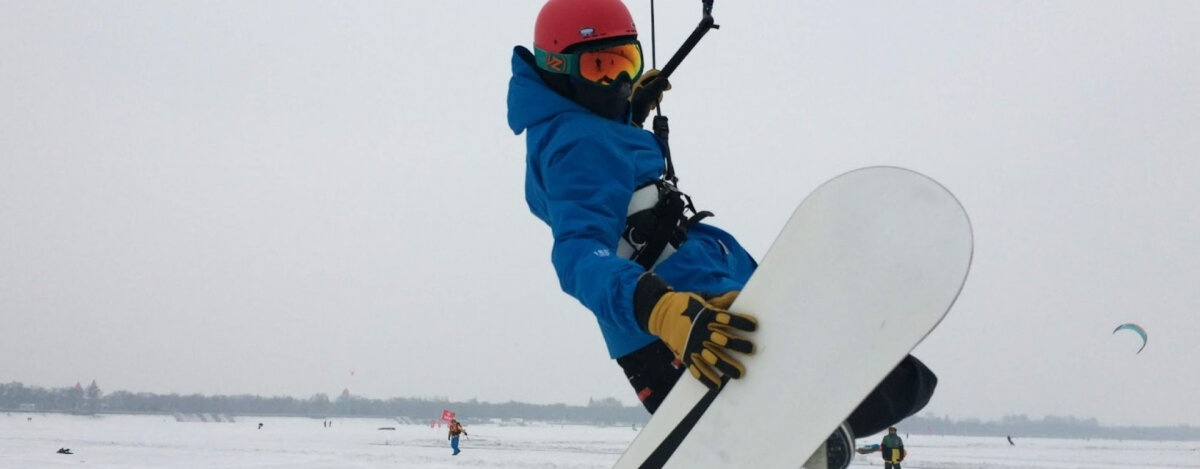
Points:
x=564, y=23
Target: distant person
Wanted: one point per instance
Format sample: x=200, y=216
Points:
x=1010, y=442
x=893, y=449
x=260, y=425
x=455, y=429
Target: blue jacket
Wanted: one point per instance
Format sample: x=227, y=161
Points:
x=581, y=171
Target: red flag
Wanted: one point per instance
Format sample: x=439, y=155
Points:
x=447, y=415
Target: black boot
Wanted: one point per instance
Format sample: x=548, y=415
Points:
x=835, y=453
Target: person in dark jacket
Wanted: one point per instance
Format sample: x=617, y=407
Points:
x=628, y=243
x=892, y=449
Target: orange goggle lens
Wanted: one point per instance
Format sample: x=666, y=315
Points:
x=602, y=66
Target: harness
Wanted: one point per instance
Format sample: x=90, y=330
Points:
x=658, y=220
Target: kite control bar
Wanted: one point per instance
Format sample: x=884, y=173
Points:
x=706, y=23
x=660, y=127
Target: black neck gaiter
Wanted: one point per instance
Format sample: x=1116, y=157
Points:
x=609, y=102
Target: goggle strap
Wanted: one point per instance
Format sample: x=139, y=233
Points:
x=554, y=62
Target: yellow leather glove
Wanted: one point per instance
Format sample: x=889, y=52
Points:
x=699, y=331
x=647, y=93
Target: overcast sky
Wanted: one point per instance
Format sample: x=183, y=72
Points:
x=298, y=197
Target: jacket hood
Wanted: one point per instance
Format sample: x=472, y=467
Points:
x=530, y=101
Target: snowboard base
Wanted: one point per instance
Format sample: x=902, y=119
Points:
x=865, y=268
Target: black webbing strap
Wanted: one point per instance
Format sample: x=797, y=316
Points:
x=667, y=223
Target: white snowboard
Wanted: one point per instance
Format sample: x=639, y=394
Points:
x=865, y=268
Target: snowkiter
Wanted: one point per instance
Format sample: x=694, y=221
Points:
x=628, y=244
x=892, y=449
x=589, y=162
x=455, y=430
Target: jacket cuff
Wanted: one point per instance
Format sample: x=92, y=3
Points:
x=649, y=289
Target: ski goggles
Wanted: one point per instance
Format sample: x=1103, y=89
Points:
x=601, y=66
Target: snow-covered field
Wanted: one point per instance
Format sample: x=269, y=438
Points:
x=133, y=441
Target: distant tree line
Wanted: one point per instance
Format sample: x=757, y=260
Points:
x=1019, y=426
x=16, y=396
x=607, y=411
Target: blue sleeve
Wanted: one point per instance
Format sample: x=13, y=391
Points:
x=588, y=186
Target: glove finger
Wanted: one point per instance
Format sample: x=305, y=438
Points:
x=724, y=300
x=744, y=322
x=652, y=78
x=650, y=85
x=720, y=336
x=702, y=372
x=713, y=356
x=657, y=85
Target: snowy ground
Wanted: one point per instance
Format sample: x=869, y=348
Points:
x=127, y=441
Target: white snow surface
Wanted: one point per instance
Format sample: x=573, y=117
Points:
x=29, y=440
